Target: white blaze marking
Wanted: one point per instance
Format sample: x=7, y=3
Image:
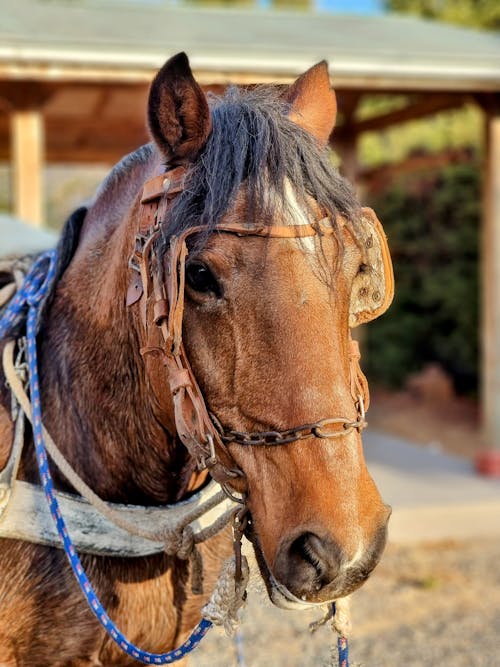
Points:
x=295, y=215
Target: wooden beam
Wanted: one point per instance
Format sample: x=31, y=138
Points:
x=489, y=102
x=376, y=178
x=95, y=140
x=206, y=75
x=428, y=105
x=347, y=102
x=27, y=137
x=344, y=143
x=25, y=94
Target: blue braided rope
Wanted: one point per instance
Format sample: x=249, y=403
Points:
x=33, y=289
x=342, y=645
x=343, y=650
x=30, y=295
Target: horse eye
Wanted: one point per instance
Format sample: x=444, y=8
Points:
x=201, y=279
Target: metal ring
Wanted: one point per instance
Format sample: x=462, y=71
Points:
x=211, y=460
x=229, y=494
x=316, y=430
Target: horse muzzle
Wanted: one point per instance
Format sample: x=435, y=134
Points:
x=311, y=570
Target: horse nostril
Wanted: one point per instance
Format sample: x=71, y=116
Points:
x=309, y=564
x=307, y=548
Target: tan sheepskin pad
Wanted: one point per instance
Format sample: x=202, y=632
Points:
x=373, y=286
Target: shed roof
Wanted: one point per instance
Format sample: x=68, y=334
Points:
x=127, y=41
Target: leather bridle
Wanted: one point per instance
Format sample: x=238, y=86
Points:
x=160, y=292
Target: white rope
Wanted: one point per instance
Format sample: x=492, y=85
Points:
x=228, y=596
x=166, y=534
x=341, y=622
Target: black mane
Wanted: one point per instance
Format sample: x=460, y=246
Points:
x=254, y=143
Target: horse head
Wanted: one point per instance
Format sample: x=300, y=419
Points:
x=266, y=318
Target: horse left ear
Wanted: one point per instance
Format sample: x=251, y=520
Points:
x=178, y=113
x=313, y=102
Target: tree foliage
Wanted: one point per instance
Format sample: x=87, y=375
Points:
x=472, y=13
x=452, y=129
x=432, y=223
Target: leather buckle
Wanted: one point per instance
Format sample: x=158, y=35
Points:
x=208, y=461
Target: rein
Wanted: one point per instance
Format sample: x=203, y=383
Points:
x=325, y=428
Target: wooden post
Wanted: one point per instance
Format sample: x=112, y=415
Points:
x=27, y=146
x=488, y=462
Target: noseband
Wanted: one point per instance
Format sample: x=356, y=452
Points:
x=159, y=288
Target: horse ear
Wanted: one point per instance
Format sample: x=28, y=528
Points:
x=313, y=102
x=178, y=113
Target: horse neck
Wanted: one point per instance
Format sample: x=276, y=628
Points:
x=96, y=400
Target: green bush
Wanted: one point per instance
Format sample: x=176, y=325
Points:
x=432, y=222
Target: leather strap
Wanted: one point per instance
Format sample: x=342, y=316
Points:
x=359, y=383
x=169, y=184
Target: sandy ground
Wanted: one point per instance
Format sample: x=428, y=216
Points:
x=452, y=425
x=425, y=606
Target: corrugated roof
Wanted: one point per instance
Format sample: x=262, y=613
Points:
x=54, y=39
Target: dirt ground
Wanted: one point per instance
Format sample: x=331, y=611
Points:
x=427, y=605
x=451, y=424
x=432, y=605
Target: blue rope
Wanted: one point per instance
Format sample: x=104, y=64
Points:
x=238, y=644
x=31, y=295
x=343, y=650
x=342, y=644
x=33, y=289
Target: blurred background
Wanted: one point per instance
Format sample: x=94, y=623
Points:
x=418, y=133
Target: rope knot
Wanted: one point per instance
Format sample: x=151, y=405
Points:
x=341, y=621
x=228, y=596
x=179, y=542
x=30, y=293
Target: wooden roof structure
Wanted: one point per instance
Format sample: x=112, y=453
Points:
x=88, y=64
x=127, y=41
x=74, y=80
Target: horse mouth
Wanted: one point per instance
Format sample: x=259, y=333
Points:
x=279, y=594
x=350, y=577
x=281, y=597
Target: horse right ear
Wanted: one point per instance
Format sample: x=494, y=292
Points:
x=313, y=104
x=178, y=113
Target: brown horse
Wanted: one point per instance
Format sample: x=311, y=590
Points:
x=265, y=325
